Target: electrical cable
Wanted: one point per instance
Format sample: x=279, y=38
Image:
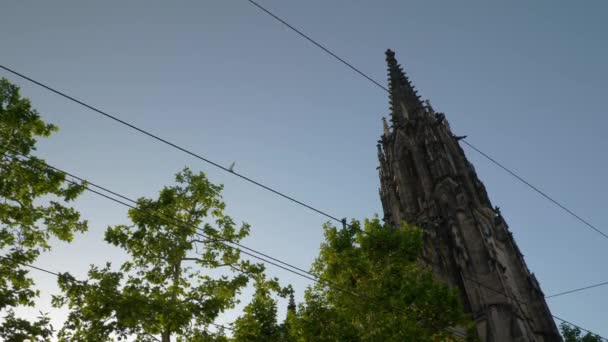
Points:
x=171, y=144
x=85, y=185
x=358, y=71
x=576, y=290
x=225, y=242
x=369, y=78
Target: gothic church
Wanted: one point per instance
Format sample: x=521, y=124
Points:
x=427, y=181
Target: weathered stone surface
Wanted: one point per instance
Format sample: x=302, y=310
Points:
x=426, y=180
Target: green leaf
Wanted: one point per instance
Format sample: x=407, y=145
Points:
x=32, y=211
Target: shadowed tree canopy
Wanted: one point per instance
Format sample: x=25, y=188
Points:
x=32, y=211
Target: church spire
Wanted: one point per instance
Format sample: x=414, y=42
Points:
x=426, y=179
x=405, y=102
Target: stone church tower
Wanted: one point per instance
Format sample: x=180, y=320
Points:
x=427, y=181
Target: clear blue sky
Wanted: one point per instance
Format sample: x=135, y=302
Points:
x=524, y=80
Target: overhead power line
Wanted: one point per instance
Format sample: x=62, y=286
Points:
x=536, y=189
x=171, y=144
x=85, y=184
x=358, y=71
x=173, y=220
x=520, y=302
x=576, y=290
x=319, y=45
x=512, y=173
x=581, y=328
x=266, y=187
x=369, y=78
x=352, y=67
x=225, y=242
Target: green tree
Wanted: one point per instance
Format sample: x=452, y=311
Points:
x=574, y=334
x=32, y=211
x=289, y=328
x=378, y=290
x=175, y=283
x=259, y=321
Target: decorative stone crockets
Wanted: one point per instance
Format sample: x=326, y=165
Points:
x=426, y=180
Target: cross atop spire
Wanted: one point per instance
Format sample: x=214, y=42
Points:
x=405, y=102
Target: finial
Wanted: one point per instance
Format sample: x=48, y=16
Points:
x=381, y=158
x=427, y=102
x=385, y=125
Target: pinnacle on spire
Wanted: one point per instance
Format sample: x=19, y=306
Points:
x=404, y=97
x=429, y=107
x=387, y=130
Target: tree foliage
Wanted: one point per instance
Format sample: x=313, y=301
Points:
x=259, y=321
x=176, y=282
x=372, y=289
x=377, y=289
x=32, y=211
x=574, y=334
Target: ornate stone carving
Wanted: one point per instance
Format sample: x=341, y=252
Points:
x=427, y=180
